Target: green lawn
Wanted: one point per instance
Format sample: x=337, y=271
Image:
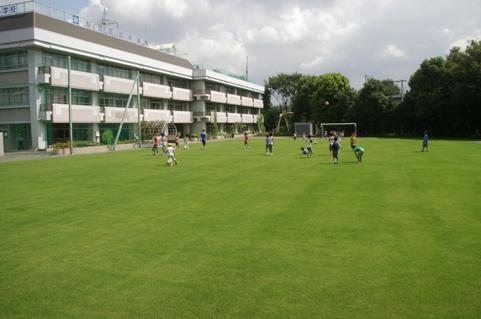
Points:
x=232, y=233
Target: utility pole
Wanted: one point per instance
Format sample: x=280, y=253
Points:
x=70, y=125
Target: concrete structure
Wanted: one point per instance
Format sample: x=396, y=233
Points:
x=34, y=48
x=1, y=144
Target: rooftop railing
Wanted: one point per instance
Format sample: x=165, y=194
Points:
x=44, y=9
x=219, y=70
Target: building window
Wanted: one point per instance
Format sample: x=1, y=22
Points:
x=151, y=78
x=178, y=83
x=113, y=71
x=230, y=90
x=213, y=107
x=61, y=61
x=14, y=97
x=60, y=96
x=153, y=104
x=178, y=106
x=212, y=87
x=230, y=109
x=113, y=100
x=13, y=60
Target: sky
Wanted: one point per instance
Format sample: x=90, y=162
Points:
x=378, y=38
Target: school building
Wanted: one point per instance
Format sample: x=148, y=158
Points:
x=36, y=42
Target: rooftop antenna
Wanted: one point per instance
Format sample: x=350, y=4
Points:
x=247, y=67
x=105, y=22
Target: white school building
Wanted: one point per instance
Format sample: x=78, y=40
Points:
x=35, y=44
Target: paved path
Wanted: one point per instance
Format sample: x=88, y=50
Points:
x=23, y=155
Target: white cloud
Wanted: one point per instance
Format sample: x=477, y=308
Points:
x=381, y=38
x=392, y=51
x=462, y=42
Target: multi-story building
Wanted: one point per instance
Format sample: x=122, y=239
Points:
x=36, y=43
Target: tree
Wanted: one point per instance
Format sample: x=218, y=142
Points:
x=371, y=106
x=283, y=88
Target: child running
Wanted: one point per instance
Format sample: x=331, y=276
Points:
x=335, y=150
x=171, y=152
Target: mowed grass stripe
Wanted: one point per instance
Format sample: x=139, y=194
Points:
x=233, y=233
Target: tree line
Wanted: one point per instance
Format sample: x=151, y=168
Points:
x=444, y=97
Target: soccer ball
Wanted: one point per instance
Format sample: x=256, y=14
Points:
x=326, y=103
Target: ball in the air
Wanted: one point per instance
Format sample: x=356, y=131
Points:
x=326, y=103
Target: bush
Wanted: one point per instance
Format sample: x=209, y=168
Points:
x=107, y=137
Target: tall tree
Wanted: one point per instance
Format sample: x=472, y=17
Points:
x=283, y=88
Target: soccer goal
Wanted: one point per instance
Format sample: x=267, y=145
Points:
x=351, y=128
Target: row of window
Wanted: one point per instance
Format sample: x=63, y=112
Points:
x=215, y=107
x=14, y=97
x=230, y=90
x=13, y=60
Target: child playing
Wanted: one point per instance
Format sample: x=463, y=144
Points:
x=309, y=145
x=335, y=150
x=163, y=143
x=155, y=144
x=246, y=140
x=186, y=142
x=304, y=151
x=270, y=143
x=171, y=151
x=267, y=144
x=425, y=141
x=353, y=140
x=359, y=152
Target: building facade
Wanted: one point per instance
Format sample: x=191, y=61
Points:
x=35, y=49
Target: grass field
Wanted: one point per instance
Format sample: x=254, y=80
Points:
x=232, y=233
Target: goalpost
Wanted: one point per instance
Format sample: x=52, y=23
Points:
x=323, y=125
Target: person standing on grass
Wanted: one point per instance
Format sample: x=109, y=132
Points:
x=425, y=141
x=270, y=143
x=295, y=136
x=163, y=143
x=267, y=143
x=309, y=146
x=353, y=140
x=246, y=140
x=331, y=141
x=335, y=150
x=186, y=142
x=155, y=144
x=203, y=138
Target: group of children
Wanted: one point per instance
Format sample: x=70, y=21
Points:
x=168, y=148
x=334, y=147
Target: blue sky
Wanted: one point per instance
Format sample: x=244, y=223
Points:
x=380, y=38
